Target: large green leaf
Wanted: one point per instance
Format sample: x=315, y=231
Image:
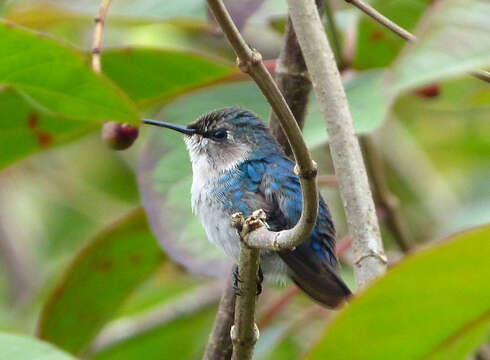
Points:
x=100, y=278
x=20, y=347
x=434, y=304
x=376, y=45
x=150, y=75
x=182, y=338
x=58, y=79
x=452, y=38
x=24, y=129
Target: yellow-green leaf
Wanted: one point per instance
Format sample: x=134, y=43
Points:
x=434, y=302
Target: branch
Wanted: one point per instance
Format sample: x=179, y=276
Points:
x=245, y=333
x=98, y=34
x=250, y=61
x=293, y=81
x=383, y=20
x=219, y=345
x=383, y=195
x=401, y=32
x=346, y=154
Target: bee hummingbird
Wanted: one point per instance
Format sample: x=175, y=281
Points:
x=238, y=166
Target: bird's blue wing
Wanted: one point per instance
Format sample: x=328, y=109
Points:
x=313, y=264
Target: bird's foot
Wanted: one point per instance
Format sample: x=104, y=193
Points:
x=237, y=280
x=260, y=279
x=236, y=276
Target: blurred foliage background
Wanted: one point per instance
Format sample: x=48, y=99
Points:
x=80, y=265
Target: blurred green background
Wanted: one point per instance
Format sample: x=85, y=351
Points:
x=80, y=261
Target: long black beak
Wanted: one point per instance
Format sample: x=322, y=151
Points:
x=178, y=128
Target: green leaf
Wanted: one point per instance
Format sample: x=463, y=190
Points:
x=58, y=79
x=452, y=38
x=152, y=76
x=376, y=45
x=20, y=347
x=99, y=279
x=434, y=302
x=25, y=130
x=183, y=338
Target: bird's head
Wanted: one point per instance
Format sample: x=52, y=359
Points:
x=223, y=138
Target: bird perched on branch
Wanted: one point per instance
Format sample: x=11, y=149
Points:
x=239, y=167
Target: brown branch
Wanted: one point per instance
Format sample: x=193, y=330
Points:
x=219, y=346
x=244, y=332
x=293, y=81
x=384, y=197
x=401, y=32
x=250, y=61
x=99, y=34
x=346, y=153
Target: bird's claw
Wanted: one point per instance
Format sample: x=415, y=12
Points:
x=237, y=280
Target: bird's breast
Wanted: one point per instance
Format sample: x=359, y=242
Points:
x=214, y=217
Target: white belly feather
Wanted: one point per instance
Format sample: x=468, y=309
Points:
x=216, y=222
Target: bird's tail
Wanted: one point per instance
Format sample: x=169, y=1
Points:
x=318, y=279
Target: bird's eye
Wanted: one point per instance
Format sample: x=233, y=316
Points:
x=219, y=134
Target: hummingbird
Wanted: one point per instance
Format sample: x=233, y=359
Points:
x=238, y=166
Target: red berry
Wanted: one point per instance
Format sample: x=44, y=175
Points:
x=118, y=136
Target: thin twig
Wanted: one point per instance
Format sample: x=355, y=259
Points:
x=346, y=153
x=383, y=20
x=219, y=346
x=293, y=81
x=125, y=328
x=99, y=34
x=383, y=195
x=401, y=32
